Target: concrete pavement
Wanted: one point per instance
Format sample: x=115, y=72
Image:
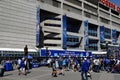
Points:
x=44, y=73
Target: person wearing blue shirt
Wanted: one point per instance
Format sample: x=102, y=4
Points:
x=22, y=67
x=75, y=64
x=61, y=66
x=84, y=69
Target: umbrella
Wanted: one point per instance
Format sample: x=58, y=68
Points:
x=29, y=57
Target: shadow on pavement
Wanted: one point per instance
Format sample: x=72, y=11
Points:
x=7, y=75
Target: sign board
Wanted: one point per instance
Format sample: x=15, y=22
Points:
x=110, y=5
x=64, y=53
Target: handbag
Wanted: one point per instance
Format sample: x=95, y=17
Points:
x=88, y=74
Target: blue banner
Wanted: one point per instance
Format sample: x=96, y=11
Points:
x=86, y=40
x=65, y=53
x=114, y=36
x=38, y=26
x=102, y=38
x=64, y=35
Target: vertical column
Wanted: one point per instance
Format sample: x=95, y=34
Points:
x=110, y=23
x=110, y=18
x=83, y=8
x=83, y=24
x=98, y=30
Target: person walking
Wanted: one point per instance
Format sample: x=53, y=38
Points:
x=96, y=64
x=22, y=67
x=84, y=69
x=1, y=70
x=18, y=66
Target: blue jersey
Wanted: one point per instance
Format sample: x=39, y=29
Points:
x=22, y=64
x=85, y=66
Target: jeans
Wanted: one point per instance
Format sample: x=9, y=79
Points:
x=96, y=67
x=84, y=75
x=1, y=72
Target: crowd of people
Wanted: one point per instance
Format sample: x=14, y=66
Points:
x=22, y=65
x=61, y=64
x=84, y=65
x=110, y=65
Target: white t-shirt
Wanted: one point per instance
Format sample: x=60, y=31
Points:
x=96, y=62
x=19, y=61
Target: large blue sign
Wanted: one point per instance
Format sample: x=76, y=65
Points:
x=64, y=35
x=86, y=41
x=64, y=53
x=102, y=39
x=114, y=36
x=38, y=26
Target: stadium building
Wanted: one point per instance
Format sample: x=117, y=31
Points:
x=89, y=25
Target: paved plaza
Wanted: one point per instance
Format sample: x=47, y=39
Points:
x=44, y=73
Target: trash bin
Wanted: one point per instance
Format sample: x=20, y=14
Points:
x=1, y=71
x=8, y=66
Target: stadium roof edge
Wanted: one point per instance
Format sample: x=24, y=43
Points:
x=63, y=49
x=17, y=49
x=96, y=52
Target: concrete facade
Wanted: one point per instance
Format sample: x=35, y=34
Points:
x=17, y=23
x=77, y=11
